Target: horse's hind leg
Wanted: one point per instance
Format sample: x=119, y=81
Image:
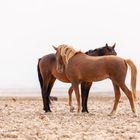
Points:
x=130, y=97
x=51, y=83
x=117, y=98
x=70, y=98
x=47, y=86
x=45, y=99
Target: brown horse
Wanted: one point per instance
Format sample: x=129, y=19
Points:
x=80, y=67
x=47, y=75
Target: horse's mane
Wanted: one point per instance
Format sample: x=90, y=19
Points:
x=66, y=52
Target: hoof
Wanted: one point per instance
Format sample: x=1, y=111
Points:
x=78, y=110
x=47, y=110
x=110, y=114
x=113, y=113
x=135, y=115
x=71, y=109
x=85, y=111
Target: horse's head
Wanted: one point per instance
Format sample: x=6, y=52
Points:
x=59, y=60
x=63, y=54
x=106, y=50
x=109, y=50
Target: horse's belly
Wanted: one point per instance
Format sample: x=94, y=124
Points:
x=95, y=78
x=100, y=78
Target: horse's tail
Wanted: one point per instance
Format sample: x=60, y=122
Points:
x=39, y=74
x=133, y=77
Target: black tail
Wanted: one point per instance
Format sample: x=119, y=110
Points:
x=39, y=75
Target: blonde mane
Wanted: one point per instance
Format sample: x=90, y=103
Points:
x=66, y=52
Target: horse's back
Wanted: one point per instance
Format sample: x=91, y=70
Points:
x=83, y=60
x=48, y=58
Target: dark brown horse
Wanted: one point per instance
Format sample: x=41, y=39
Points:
x=80, y=67
x=47, y=75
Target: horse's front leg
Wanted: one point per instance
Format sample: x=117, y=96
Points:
x=77, y=93
x=85, y=87
x=70, y=98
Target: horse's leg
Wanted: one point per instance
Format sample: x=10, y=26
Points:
x=45, y=99
x=77, y=93
x=88, y=86
x=70, y=98
x=130, y=97
x=85, y=87
x=83, y=96
x=45, y=93
x=42, y=84
x=117, y=98
x=51, y=83
x=70, y=95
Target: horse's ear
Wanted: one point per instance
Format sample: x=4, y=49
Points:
x=54, y=47
x=114, y=46
x=106, y=45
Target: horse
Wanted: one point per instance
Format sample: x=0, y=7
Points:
x=80, y=67
x=47, y=75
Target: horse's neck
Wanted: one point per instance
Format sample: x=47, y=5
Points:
x=69, y=54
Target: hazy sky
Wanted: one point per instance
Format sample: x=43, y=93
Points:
x=28, y=28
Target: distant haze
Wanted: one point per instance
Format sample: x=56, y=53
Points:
x=29, y=28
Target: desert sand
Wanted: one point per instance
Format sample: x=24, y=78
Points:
x=22, y=118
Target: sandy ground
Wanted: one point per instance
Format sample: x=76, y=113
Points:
x=22, y=118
